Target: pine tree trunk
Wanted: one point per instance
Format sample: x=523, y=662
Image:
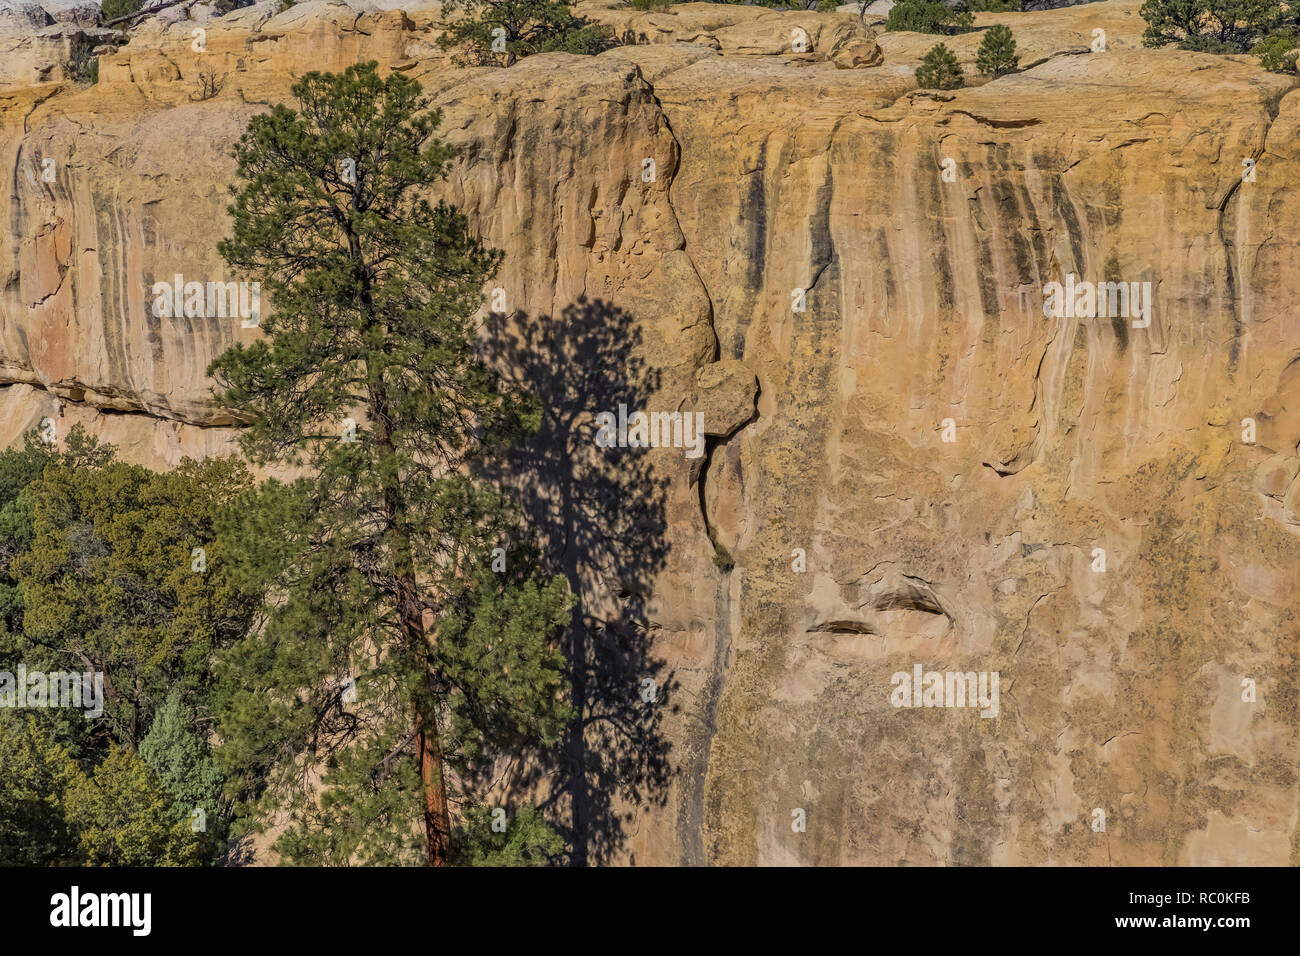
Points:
x=428, y=751
x=437, y=819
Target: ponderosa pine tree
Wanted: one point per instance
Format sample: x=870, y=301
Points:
x=397, y=652
x=939, y=70
x=996, y=55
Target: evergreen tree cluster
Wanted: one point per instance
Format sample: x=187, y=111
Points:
x=929, y=16
x=96, y=575
x=1223, y=26
x=351, y=653
x=939, y=70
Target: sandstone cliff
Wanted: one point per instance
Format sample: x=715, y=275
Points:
x=831, y=536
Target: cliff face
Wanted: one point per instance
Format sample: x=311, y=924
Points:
x=919, y=467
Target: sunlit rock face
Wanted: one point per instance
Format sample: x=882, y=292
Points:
x=919, y=449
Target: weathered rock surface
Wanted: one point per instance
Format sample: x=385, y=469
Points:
x=32, y=53
x=838, y=537
x=41, y=12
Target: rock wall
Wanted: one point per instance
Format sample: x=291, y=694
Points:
x=908, y=462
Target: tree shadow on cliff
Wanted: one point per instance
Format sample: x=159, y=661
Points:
x=599, y=514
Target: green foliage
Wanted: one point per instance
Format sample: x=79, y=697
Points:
x=524, y=27
x=993, y=6
x=1277, y=53
x=35, y=772
x=928, y=16
x=997, y=52
x=18, y=469
x=376, y=568
x=20, y=472
x=53, y=814
x=109, y=579
x=822, y=6
x=527, y=840
x=122, y=817
x=183, y=766
x=112, y=9
x=82, y=65
x=939, y=70
x=1211, y=26
x=96, y=573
